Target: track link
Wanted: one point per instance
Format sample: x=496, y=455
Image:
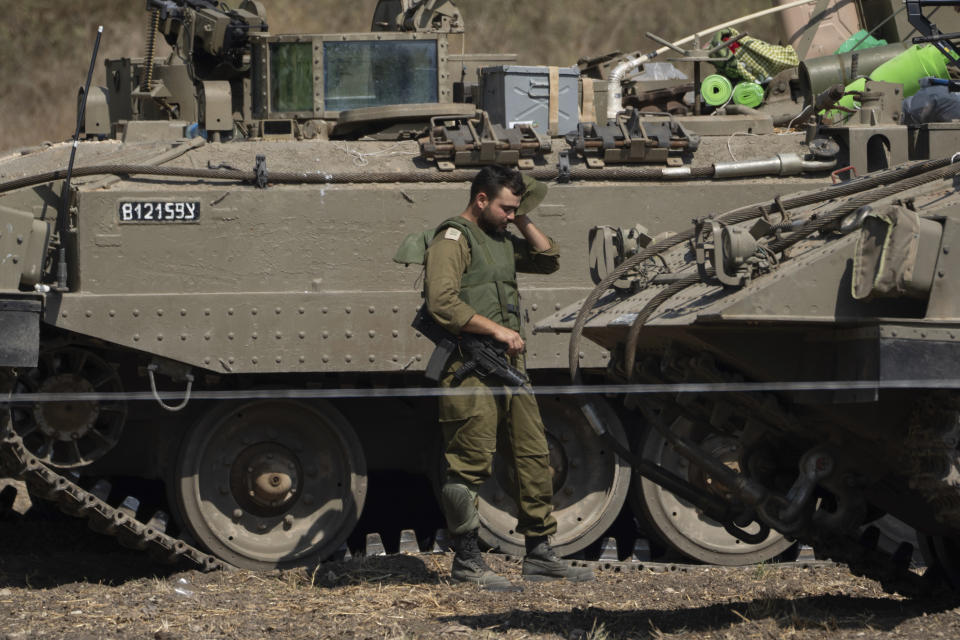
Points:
x=121, y=522
x=608, y=560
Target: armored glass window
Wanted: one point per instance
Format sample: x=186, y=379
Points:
x=366, y=73
x=291, y=76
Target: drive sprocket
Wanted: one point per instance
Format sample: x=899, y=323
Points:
x=43, y=482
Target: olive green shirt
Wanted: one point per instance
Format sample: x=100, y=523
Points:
x=447, y=260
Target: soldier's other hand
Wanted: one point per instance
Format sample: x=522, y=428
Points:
x=511, y=338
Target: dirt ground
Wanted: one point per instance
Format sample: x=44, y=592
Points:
x=57, y=580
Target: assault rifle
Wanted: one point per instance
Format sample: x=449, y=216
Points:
x=483, y=355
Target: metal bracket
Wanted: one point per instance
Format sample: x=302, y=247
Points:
x=942, y=41
x=703, y=250
x=629, y=140
x=610, y=246
x=563, y=167
x=260, y=169
x=715, y=252
x=469, y=141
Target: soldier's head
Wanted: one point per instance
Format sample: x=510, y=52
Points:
x=495, y=196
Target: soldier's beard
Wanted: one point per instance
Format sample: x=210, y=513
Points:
x=489, y=225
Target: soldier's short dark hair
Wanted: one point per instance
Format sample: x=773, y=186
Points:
x=492, y=178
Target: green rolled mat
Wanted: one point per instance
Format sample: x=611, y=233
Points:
x=716, y=90
x=749, y=94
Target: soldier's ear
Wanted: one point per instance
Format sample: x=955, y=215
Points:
x=482, y=200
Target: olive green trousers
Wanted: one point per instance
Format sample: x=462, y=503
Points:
x=477, y=425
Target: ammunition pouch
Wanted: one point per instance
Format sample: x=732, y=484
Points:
x=896, y=254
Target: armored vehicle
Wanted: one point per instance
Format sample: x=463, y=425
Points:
x=799, y=356
x=204, y=295
x=792, y=367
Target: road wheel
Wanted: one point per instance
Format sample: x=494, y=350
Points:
x=590, y=482
x=271, y=483
x=681, y=526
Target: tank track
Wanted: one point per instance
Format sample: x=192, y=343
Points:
x=70, y=498
x=932, y=460
x=121, y=522
x=609, y=558
x=859, y=553
x=932, y=463
x=892, y=571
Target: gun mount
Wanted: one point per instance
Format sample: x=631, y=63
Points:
x=234, y=80
x=193, y=27
x=436, y=16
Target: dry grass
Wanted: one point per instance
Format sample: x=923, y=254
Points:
x=45, y=45
x=410, y=597
x=59, y=580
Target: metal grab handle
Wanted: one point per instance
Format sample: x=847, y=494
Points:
x=156, y=395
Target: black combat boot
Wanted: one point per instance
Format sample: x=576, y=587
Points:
x=542, y=564
x=468, y=565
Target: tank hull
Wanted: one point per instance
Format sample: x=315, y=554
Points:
x=823, y=356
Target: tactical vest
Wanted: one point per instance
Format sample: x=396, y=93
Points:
x=489, y=284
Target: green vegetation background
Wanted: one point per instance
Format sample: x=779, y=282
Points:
x=45, y=45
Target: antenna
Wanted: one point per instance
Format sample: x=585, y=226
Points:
x=62, y=214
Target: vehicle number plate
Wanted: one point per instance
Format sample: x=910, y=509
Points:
x=159, y=211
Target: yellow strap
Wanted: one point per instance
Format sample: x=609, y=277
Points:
x=588, y=111
x=554, y=122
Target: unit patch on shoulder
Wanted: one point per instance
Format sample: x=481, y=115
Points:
x=452, y=234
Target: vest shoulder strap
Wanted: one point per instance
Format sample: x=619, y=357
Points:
x=461, y=225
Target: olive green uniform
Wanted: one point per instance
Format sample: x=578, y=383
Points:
x=462, y=280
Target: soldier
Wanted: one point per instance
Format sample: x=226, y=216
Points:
x=470, y=285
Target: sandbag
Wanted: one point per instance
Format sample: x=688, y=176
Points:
x=752, y=59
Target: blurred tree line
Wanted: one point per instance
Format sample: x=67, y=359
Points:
x=45, y=45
